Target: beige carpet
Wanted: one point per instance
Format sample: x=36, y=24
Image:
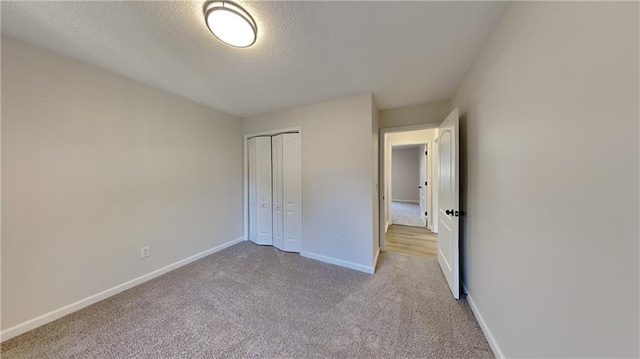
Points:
x=252, y=301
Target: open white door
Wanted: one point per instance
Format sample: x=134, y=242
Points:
x=423, y=184
x=449, y=201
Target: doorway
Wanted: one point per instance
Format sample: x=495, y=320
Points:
x=409, y=190
x=443, y=184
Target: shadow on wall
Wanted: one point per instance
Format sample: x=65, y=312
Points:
x=464, y=182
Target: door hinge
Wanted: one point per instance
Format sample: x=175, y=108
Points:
x=425, y=214
x=425, y=153
x=425, y=183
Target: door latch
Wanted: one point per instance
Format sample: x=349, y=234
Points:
x=454, y=213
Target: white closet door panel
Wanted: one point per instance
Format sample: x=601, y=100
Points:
x=292, y=191
x=263, y=191
x=253, y=191
x=276, y=166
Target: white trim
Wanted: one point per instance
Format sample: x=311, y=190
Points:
x=82, y=303
x=423, y=126
x=375, y=260
x=273, y=132
x=483, y=325
x=405, y=201
x=338, y=262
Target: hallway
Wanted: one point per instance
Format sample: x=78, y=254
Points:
x=417, y=241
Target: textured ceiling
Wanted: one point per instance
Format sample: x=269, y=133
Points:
x=306, y=52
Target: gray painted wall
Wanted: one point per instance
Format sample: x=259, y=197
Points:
x=405, y=172
x=95, y=166
x=375, y=134
x=429, y=112
x=550, y=127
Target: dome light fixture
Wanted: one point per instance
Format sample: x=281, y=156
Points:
x=230, y=23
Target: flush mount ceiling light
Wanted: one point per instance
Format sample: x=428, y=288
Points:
x=230, y=23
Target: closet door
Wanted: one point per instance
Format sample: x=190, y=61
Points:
x=260, y=190
x=292, y=191
x=253, y=191
x=277, y=171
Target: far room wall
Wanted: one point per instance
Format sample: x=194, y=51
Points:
x=406, y=174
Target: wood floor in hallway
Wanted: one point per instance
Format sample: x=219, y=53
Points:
x=418, y=241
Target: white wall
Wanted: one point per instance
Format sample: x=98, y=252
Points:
x=550, y=133
x=405, y=174
x=95, y=166
x=337, y=170
x=430, y=112
x=375, y=152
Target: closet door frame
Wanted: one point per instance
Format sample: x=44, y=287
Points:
x=245, y=201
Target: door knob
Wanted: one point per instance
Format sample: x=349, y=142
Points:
x=449, y=212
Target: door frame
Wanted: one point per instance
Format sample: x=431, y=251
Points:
x=245, y=174
x=426, y=169
x=384, y=208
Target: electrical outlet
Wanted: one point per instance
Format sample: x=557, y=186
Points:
x=144, y=252
x=336, y=239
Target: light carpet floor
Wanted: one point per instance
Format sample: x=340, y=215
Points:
x=406, y=214
x=253, y=301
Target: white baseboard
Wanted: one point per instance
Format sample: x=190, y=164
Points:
x=338, y=262
x=375, y=260
x=483, y=325
x=404, y=201
x=386, y=227
x=68, y=309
